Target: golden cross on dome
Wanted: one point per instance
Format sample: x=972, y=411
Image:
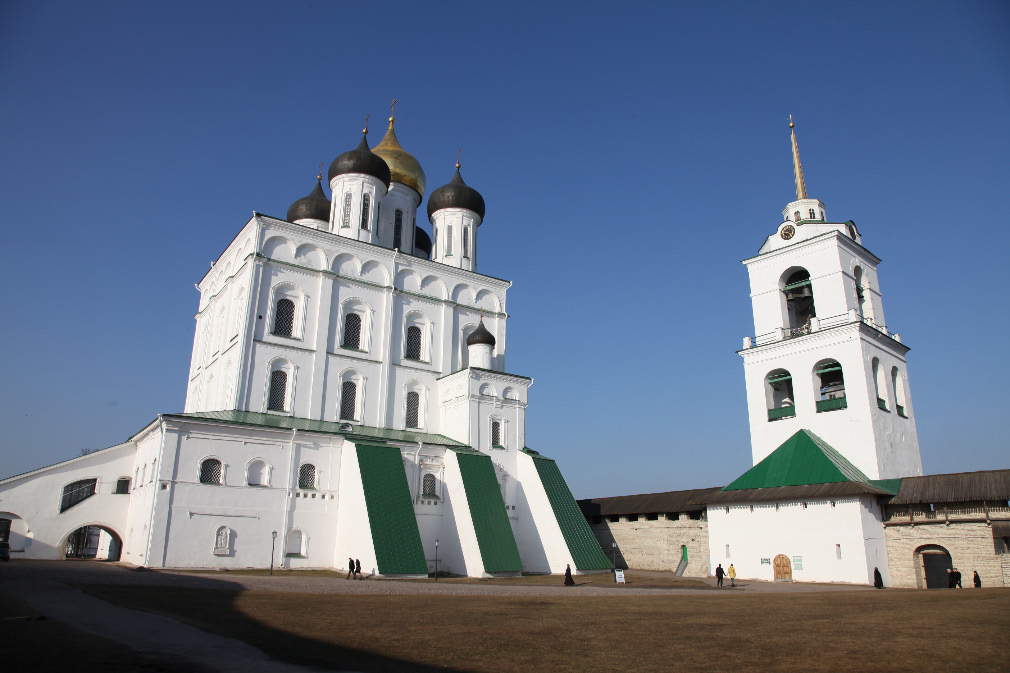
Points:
x=392, y=107
x=457, y=163
x=791, y=125
x=320, y=176
x=365, y=130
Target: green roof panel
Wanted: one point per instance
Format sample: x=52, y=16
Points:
x=802, y=459
x=582, y=544
x=497, y=544
x=397, y=542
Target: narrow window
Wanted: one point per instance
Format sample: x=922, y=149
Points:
x=466, y=242
x=210, y=471
x=496, y=433
x=838, y=552
x=831, y=391
x=307, y=476
x=822, y=215
x=632, y=517
x=348, y=395
x=448, y=241
x=346, y=220
x=779, y=395
x=76, y=492
x=284, y=317
x=413, y=350
x=352, y=331
x=397, y=228
x=799, y=296
x=428, y=486
x=294, y=544
x=122, y=486
x=898, y=383
x=796, y=216
x=413, y=404
x=366, y=203
x=727, y=551
x=257, y=473
x=614, y=518
x=278, y=391
x=881, y=385
x=813, y=215
x=5, y=530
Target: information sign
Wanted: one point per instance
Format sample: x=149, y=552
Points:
x=619, y=577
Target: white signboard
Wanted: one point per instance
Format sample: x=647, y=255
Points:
x=619, y=577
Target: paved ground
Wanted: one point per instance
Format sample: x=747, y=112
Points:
x=49, y=588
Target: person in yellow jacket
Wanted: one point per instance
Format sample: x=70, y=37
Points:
x=732, y=575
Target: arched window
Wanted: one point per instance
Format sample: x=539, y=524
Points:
x=258, y=474
x=346, y=218
x=830, y=386
x=122, y=486
x=284, y=318
x=799, y=297
x=352, y=331
x=397, y=228
x=779, y=395
x=822, y=215
x=900, y=403
x=210, y=471
x=222, y=541
x=813, y=215
x=466, y=242
x=413, y=406
x=348, y=400
x=880, y=383
x=278, y=391
x=412, y=351
x=496, y=434
x=448, y=240
x=366, y=203
x=5, y=530
x=307, y=476
x=796, y=216
x=296, y=544
x=428, y=487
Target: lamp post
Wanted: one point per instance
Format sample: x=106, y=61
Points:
x=273, y=546
x=613, y=557
x=436, y=559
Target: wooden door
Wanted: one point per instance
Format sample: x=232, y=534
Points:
x=783, y=569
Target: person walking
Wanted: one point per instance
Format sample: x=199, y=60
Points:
x=350, y=568
x=878, y=580
x=569, y=582
x=957, y=578
x=977, y=580
x=732, y=575
x=719, y=572
x=357, y=569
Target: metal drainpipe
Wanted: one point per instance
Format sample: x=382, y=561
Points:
x=287, y=501
x=417, y=464
x=384, y=382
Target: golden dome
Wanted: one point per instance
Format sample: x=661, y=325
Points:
x=402, y=166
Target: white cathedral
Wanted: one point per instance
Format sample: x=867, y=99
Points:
x=347, y=398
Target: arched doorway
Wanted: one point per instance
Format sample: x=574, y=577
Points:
x=93, y=542
x=931, y=565
x=783, y=569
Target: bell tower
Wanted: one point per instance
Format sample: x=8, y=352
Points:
x=822, y=358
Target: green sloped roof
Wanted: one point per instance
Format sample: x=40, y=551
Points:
x=310, y=425
x=497, y=544
x=802, y=459
x=397, y=542
x=582, y=544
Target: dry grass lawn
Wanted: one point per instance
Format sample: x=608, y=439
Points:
x=862, y=631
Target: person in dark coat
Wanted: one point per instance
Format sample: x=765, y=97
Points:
x=719, y=572
x=977, y=580
x=357, y=569
x=951, y=582
x=350, y=568
x=878, y=581
x=569, y=582
x=957, y=578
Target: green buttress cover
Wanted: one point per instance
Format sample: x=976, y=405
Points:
x=582, y=544
x=397, y=542
x=497, y=544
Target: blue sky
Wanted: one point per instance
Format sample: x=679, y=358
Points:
x=630, y=156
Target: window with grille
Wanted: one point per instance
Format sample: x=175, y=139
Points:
x=346, y=220
x=352, y=331
x=76, y=492
x=448, y=241
x=210, y=471
x=366, y=203
x=413, y=404
x=496, y=433
x=428, y=486
x=813, y=215
x=397, y=228
x=413, y=350
x=466, y=241
x=122, y=486
x=284, y=317
x=278, y=391
x=348, y=395
x=5, y=530
x=307, y=476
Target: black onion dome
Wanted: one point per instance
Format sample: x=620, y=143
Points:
x=480, y=336
x=422, y=242
x=361, y=160
x=456, y=194
x=315, y=206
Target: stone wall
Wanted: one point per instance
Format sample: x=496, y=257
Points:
x=970, y=545
x=656, y=545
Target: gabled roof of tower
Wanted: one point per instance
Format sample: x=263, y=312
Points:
x=802, y=459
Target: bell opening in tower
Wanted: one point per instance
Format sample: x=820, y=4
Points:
x=799, y=298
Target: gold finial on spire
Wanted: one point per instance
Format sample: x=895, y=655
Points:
x=392, y=108
x=801, y=185
x=320, y=175
x=364, y=131
x=457, y=161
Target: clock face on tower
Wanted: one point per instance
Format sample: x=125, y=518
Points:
x=788, y=232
